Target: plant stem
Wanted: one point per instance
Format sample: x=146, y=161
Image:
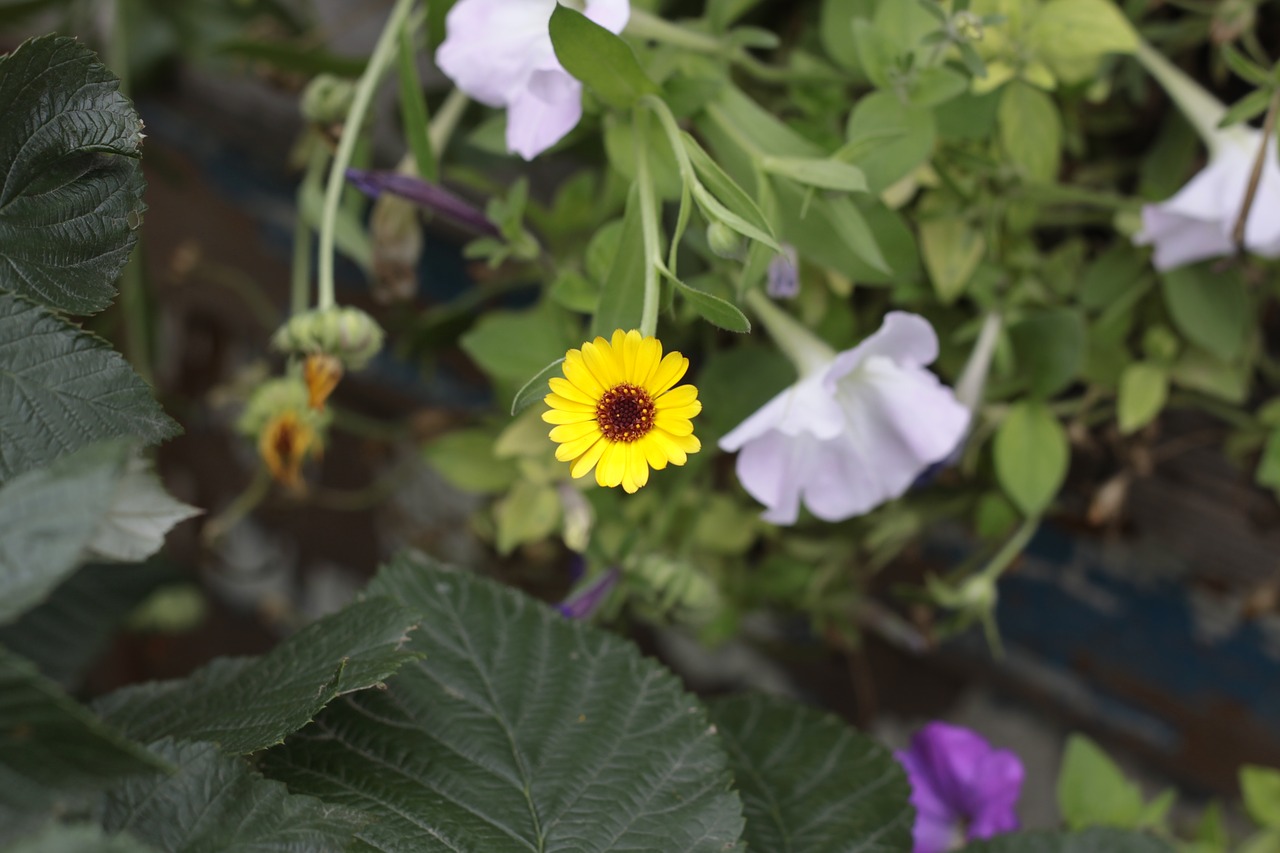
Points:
x=649, y=229
x=1202, y=109
x=383, y=53
x=445, y=121
x=1255, y=177
x=644, y=25
x=806, y=351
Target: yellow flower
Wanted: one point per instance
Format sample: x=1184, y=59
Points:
x=617, y=411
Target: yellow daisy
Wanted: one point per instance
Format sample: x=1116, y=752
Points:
x=616, y=410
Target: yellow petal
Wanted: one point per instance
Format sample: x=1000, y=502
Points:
x=576, y=371
x=685, y=412
x=584, y=463
x=612, y=466
x=598, y=357
x=637, y=467
x=688, y=443
x=571, y=450
x=555, y=401
x=556, y=416
x=616, y=341
x=631, y=343
x=573, y=432
x=677, y=397
x=668, y=373
x=666, y=445
x=674, y=425
x=652, y=451
x=647, y=360
x=565, y=388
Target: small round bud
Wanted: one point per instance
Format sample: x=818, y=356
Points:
x=348, y=334
x=967, y=26
x=327, y=99
x=724, y=241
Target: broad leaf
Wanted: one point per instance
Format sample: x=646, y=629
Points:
x=71, y=192
x=1144, y=388
x=1092, y=790
x=713, y=309
x=1031, y=131
x=1261, y=789
x=62, y=388
x=1050, y=345
x=622, y=290
x=1090, y=841
x=78, y=838
x=216, y=802
x=1031, y=456
x=519, y=731
x=51, y=745
x=597, y=57
x=888, y=139
x=248, y=704
x=1209, y=306
x=140, y=516
x=811, y=784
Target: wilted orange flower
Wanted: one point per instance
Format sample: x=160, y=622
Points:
x=285, y=443
x=321, y=373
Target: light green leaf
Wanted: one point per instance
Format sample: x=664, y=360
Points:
x=536, y=388
x=48, y=517
x=622, y=291
x=51, y=745
x=835, y=29
x=1245, y=68
x=519, y=731
x=78, y=838
x=1031, y=456
x=1070, y=36
x=71, y=192
x=1268, y=470
x=811, y=784
x=713, y=309
x=1200, y=371
x=62, y=388
x=511, y=346
x=248, y=704
x=1092, y=791
x=1089, y=841
x=935, y=86
x=1261, y=789
x=601, y=60
x=952, y=249
x=528, y=513
x=216, y=802
x=721, y=198
x=1209, y=306
x=1030, y=131
x=1050, y=345
x=466, y=459
x=888, y=139
x=1247, y=108
x=1144, y=388
x=818, y=172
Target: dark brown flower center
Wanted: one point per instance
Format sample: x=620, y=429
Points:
x=625, y=413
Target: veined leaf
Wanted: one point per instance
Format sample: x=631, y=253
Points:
x=62, y=388
x=78, y=838
x=216, y=802
x=597, y=57
x=519, y=731
x=248, y=704
x=71, y=193
x=811, y=784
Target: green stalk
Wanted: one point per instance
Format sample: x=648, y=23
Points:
x=1202, y=109
x=644, y=25
x=445, y=121
x=383, y=54
x=649, y=228
x=803, y=347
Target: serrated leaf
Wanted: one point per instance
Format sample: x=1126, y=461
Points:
x=1090, y=841
x=519, y=731
x=811, y=784
x=1031, y=456
x=216, y=802
x=1144, y=388
x=50, y=744
x=248, y=704
x=62, y=388
x=78, y=838
x=535, y=389
x=601, y=60
x=71, y=193
x=140, y=516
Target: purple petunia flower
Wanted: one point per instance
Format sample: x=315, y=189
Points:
x=961, y=787
x=584, y=602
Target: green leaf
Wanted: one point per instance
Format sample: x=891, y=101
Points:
x=466, y=459
x=535, y=389
x=622, y=293
x=601, y=60
x=511, y=346
x=835, y=29
x=1089, y=841
x=529, y=512
x=713, y=309
x=888, y=139
x=1268, y=470
x=1200, y=371
x=952, y=249
x=48, y=517
x=216, y=802
x=1031, y=456
x=1030, y=131
x=1245, y=68
x=71, y=192
x=519, y=731
x=1050, y=345
x=413, y=108
x=1209, y=306
x=933, y=87
x=811, y=784
x=1144, y=388
x=823, y=173
x=248, y=704
x=78, y=838
x=1071, y=36
x=722, y=199
x=733, y=382
x=1092, y=791
x=1261, y=789
x=62, y=388
x=51, y=745
x=1247, y=108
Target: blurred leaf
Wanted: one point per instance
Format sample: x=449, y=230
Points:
x=1089, y=841
x=1050, y=346
x=1071, y=36
x=300, y=59
x=1031, y=131
x=1244, y=68
x=1144, y=388
x=1092, y=791
x=933, y=87
x=248, y=704
x=734, y=382
x=466, y=459
x=216, y=802
x=1031, y=456
x=835, y=29
x=71, y=193
x=811, y=784
x=1261, y=789
x=1112, y=274
x=529, y=512
x=493, y=742
x=1209, y=306
x=601, y=60
x=78, y=838
x=1200, y=371
x=888, y=139
x=413, y=108
x=817, y=172
x=1247, y=108
x=952, y=249
x=716, y=311
x=1268, y=470
x=622, y=290
x=536, y=388
x=62, y=388
x=721, y=13
x=511, y=346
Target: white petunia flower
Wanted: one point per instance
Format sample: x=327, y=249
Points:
x=1199, y=221
x=856, y=430
x=499, y=52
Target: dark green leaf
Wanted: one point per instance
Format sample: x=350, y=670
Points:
x=78, y=838
x=216, y=802
x=1209, y=306
x=1246, y=69
x=601, y=60
x=1031, y=456
x=519, y=731
x=536, y=388
x=71, y=192
x=248, y=704
x=1090, y=841
x=413, y=109
x=811, y=784
x=622, y=291
x=51, y=745
x=888, y=139
x=62, y=388
x=818, y=172
x=713, y=309
x=1050, y=345
x=1249, y=107
x=300, y=59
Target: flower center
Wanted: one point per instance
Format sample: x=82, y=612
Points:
x=625, y=413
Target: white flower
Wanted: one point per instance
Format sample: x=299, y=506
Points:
x=499, y=52
x=855, y=431
x=1199, y=221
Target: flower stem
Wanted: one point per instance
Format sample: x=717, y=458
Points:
x=1202, y=109
x=644, y=25
x=649, y=230
x=1255, y=177
x=445, y=121
x=806, y=351
x=383, y=53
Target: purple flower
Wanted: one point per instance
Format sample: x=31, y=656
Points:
x=960, y=786
x=584, y=602
x=783, y=281
x=423, y=193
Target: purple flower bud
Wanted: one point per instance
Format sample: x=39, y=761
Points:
x=783, y=280
x=423, y=193
x=585, y=601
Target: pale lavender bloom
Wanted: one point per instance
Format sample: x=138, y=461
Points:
x=961, y=787
x=585, y=601
x=783, y=281
x=499, y=52
x=855, y=431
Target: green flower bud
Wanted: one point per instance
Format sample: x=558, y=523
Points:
x=724, y=241
x=967, y=26
x=270, y=399
x=327, y=99
x=348, y=334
